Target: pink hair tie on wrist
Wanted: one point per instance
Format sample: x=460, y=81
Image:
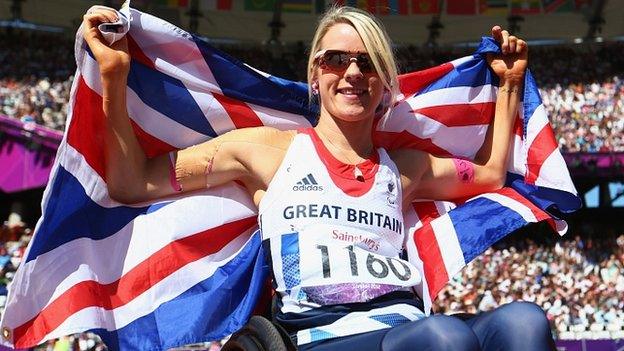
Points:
x=465, y=170
x=172, y=174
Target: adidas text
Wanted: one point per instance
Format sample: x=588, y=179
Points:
x=308, y=188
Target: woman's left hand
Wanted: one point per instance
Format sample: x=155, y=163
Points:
x=511, y=64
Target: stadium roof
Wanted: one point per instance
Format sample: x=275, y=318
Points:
x=240, y=24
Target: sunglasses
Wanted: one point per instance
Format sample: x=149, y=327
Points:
x=336, y=60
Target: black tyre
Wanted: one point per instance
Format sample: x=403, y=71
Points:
x=259, y=334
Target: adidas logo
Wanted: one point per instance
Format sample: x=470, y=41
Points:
x=308, y=183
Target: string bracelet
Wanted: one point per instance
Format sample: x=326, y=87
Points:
x=508, y=90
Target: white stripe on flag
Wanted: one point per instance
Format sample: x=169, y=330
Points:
x=412, y=224
x=279, y=119
x=536, y=123
x=160, y=126
x=554, y=174
x=517, y=162
x=461, y=60
x=451, y=139
x=161, y=292
x=173, y=53
x=448, y=243
x=510, y=203
x=214, y=112
x=150, y=120
x=453, y=96
x=139, y=240
x=90, y=72
x=95, y=187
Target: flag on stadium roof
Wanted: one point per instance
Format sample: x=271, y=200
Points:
x=190, y=268
x=461, y=7
x=525, y=7
x=425, y=7
x=493, y=7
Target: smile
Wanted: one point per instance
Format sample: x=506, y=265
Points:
x=351, y=91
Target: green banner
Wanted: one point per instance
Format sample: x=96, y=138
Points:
x=300, y=6
x=259, y=5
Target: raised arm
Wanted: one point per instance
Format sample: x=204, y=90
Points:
x=130, y=176
x=448, y=178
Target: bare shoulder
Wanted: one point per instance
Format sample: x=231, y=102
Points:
x=408, y=161
x=262, y=143
x=262, y=136
x=411, y=164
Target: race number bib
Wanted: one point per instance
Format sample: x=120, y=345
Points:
x=342, y=265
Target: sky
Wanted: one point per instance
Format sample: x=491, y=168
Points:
x=591, y=197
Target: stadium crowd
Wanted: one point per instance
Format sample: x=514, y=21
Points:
x=579, y=282
x=35, y=79
x=582, y=87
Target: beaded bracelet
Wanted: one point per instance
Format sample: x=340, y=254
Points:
x=507, y=90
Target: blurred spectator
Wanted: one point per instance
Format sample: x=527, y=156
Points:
x=579, y=283
x=582, y=86
x=35, y=79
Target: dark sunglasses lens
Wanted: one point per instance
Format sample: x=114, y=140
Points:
x=365, y=64
x=336, y=60
x=339, y=61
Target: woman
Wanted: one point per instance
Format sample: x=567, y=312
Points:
x=327, y=196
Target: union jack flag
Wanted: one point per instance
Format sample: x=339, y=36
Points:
x=190, y=268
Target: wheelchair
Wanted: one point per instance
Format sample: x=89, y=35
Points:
x=259, y=334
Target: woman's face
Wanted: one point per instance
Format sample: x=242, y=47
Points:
x=350, y=94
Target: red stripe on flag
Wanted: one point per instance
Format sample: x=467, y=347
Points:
x=511, y=193
x=539, y=214
x=404, y=139
x=86, y=131
x=151, y=145
x=240, y=113
x=109, y=296
x=518, y=127
x=426, y=211
x=414, y=82
x=542, y=146
x=429, y=251
x=460, y=115
x=137, y=54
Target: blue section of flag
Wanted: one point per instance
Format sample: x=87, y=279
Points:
x=168, y=96
x=480, y=223
x=532, y=99
x=555, y=202
x=472, y=73
x=240, y=82
x=210, y=310
x=71, y=214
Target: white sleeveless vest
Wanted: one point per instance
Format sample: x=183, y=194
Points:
x=334, y=240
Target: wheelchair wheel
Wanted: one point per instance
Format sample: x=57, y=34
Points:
x=259, y=334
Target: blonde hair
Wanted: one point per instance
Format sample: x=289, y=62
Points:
x=374, y=37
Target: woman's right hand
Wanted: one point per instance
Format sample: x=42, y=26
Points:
x=112, y=59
